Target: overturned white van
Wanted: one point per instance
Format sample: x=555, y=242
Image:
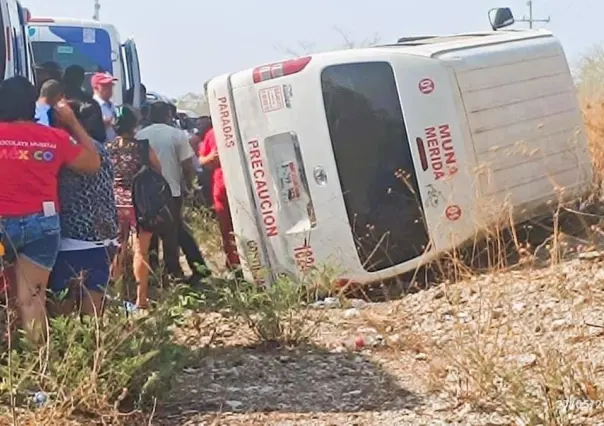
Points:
x=378, y=160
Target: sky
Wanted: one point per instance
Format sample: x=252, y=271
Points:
x=183, y=43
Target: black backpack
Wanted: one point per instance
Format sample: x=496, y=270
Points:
x=151, y=196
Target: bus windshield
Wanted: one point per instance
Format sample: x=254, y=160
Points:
x=89, y=48
x=64, y=54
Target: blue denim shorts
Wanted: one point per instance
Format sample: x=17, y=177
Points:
x=35, y=237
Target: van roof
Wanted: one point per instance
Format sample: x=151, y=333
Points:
x=434, y=44
x=431, y=45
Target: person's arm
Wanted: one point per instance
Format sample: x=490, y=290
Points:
x=186, y=157
x=85, y=158
x=188, y=169
x=208, y=154
x=154, y=161
x=208, y=160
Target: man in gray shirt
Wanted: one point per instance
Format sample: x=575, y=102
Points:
x=177, y=163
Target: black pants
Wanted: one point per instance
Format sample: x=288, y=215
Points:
x=172, y=242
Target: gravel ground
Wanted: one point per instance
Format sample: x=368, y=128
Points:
x=492, y=350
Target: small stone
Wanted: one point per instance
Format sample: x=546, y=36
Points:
x=358, y=303
x=526, y=360
x=395, y=338
x=590, y=255
x=338, y=350
x=559, y=323
x=518, y=307
x=389, y=329
x=378, y=341
x=233, y=404
x=421, y=357
x=351, y=313
x=331, y=302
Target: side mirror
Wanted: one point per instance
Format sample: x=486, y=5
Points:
x=501, y=17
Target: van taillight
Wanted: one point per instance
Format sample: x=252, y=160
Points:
x=280, y=69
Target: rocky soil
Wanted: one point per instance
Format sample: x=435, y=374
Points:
x=520, y=347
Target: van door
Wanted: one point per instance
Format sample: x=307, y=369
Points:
x=374, y=162
x=133, y=70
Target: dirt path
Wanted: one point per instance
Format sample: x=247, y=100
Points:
x=490, y=351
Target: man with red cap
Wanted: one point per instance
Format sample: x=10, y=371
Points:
x=102, y=84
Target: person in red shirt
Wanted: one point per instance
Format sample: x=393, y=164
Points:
x=208, y=157
x=30, y=158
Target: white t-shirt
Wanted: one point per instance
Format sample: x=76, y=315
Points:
x=172, y=148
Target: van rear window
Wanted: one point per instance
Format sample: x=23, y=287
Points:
x=373, y=158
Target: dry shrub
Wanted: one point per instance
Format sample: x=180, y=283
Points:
x=593, y=114
x=590, y=85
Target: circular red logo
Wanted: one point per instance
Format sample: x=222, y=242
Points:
x=426, y=86
x=453, y=212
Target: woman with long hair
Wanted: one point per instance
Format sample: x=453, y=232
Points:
x=126, y=154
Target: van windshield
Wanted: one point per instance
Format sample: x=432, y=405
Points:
x=374, y=163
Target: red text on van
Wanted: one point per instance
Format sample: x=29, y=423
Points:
x=441, y=151
x=254, y=261
x=226, y=122
x=261, y=187
x=304, y=256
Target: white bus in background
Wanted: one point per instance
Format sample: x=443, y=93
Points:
x=93, y=45
x=375, y=161
x=16, y=56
